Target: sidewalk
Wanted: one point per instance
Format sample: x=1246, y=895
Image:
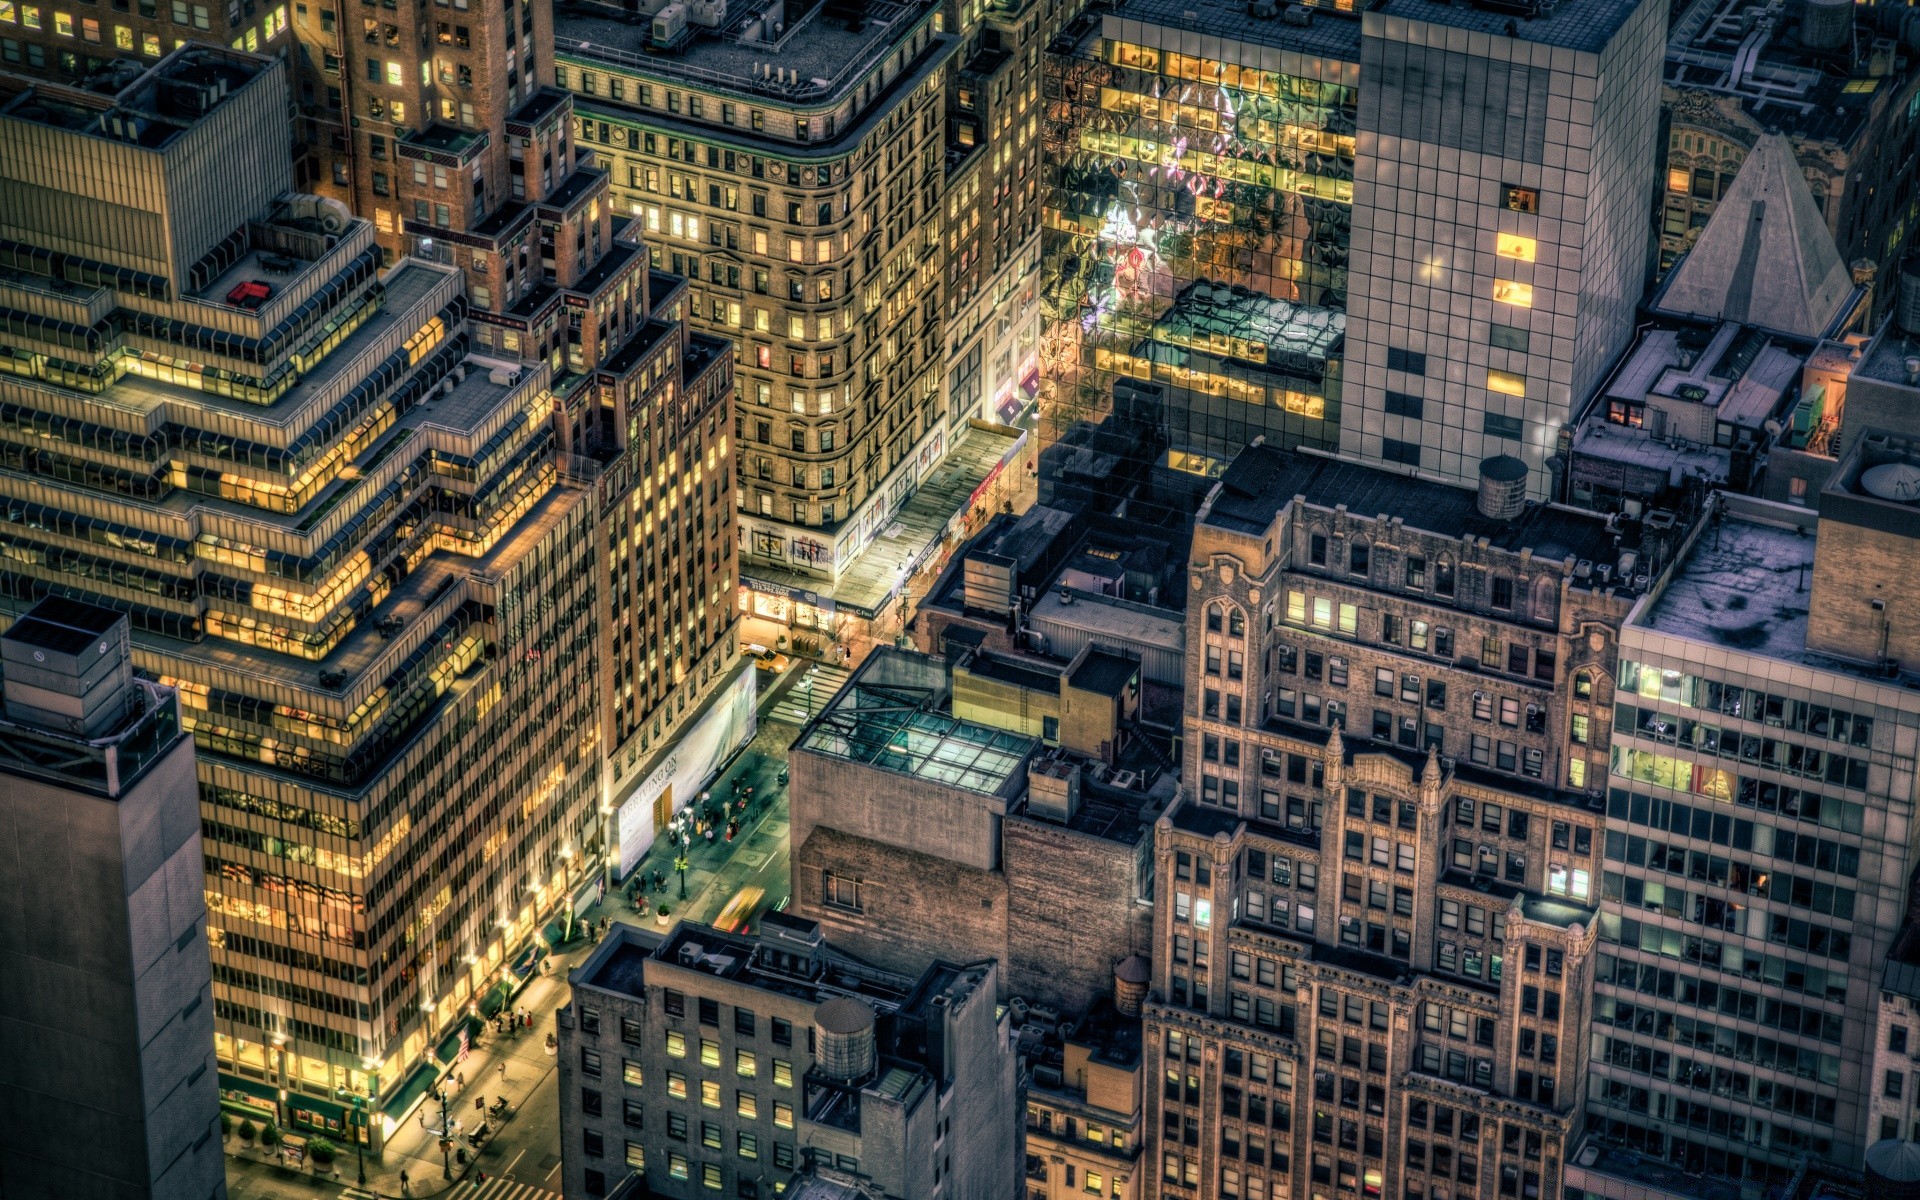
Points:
x=414, y=1146
x=760, y=764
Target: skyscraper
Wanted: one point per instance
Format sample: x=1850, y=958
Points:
x=1412, y=230
x=378, y=551
x=108, y=1035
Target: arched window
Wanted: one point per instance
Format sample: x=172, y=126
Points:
x=1443, y=578
x=1236, y=622
x=1583, y=685
x=1216, y=613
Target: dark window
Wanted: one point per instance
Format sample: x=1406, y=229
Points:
x=1507, y=337
x=1405, y=453
x=1410, y=361
x=1505, y=427
x=1400, y=404
x=709, y=1011
x=1519, y=199
x=1357, y=559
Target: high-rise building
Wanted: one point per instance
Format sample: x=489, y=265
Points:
x=1376, y=901
x=1759, y=830
x=724, y=1062
x=791, y=165
x=417, y=574
x=852, y=190
x=110, y=1090
x=1412, y=230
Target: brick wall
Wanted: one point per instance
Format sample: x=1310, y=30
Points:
x=914, y=908
x=1071, y=912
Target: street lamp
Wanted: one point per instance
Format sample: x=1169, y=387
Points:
x=359, y=1138
x=446, y=1137
x=680, y=864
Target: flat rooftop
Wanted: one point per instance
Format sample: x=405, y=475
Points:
x=147, y=108
x=820, y=53
x=1785, y=87
x=1239, y=323
x=1885, y=358
x=1263, y=479
x=731, y=956
x=891, y=715
x=1745, y=585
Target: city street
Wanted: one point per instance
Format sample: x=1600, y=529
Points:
x=522, y=1159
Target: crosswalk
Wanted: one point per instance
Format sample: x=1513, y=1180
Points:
x=809, y=694
x=492, y=1189
x=507, y=1189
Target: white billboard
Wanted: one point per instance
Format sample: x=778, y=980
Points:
x=689, y=766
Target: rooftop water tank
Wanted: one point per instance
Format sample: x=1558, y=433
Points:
x=1503, y=487
x=844, y=1039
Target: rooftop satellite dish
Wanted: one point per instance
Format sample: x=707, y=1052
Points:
x=1899, y=482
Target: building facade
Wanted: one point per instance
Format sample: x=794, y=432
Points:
x=379, y=553
x=1737, y=1002
x=1376, y=902
x=718, y=1061
x=1083, y=1135
x=795, y=173
x=111, y=1091
x=1415, y=233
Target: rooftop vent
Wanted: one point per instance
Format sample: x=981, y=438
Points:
x=1826, y=24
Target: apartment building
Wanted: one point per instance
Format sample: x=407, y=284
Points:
x=1410, y=230
x=989, y=807
x=72, y=41
x=106, y=924
x=1389, y=839
x=1759, y=832
x=373, y=549
x=725, y=1062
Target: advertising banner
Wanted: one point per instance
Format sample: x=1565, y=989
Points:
x=689, y=765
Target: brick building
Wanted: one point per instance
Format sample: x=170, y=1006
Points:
x=1376, y=901
x=920, y=831
x=716, y=1062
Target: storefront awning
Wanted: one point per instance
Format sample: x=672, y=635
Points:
x=417, y=1085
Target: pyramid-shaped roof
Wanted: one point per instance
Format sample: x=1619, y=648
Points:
x=1765, y=257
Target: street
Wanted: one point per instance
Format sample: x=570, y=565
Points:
x=521, y=1161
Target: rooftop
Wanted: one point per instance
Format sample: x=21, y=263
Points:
x=1781, y=85
x=1885, y=358
x=812, y=58
x=1105, y=673
x=1745, y=585
x=889, y=716
x=147, y=108
x=1113, y=618
x=1238, y=323
x=1264, y=479
x=1622, y=1164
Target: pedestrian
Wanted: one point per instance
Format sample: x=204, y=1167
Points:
x=480, y=1104
x=423, y=1118
x=461, y=1078
x=503, y=1079
x=405, y=1187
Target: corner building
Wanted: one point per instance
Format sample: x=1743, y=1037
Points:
x=1411, y=230
x=1376, y=901
x=790, y=163
x=377, y=553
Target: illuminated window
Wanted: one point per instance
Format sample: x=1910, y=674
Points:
x=1677, y=180
x=1506, y=382
x=1506, y=291
x=1512, y=245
